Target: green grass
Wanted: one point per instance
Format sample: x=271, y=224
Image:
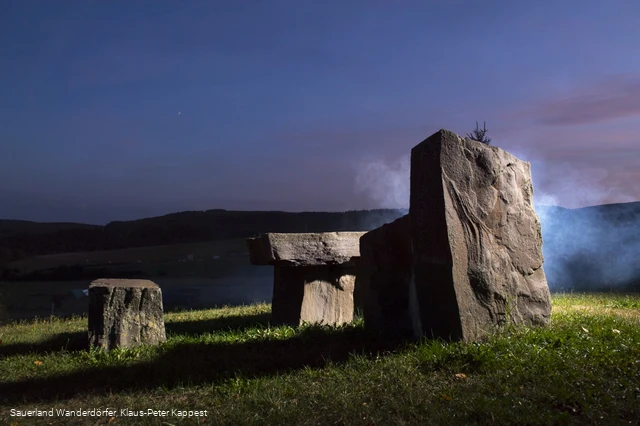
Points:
x=582, y=369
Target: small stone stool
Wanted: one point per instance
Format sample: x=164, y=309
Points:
x=125, y=313
x=314, y=275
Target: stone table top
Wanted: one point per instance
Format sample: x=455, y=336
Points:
x=120, y=282
x=304, y=249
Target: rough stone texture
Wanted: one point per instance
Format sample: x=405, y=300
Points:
x=477, y=244
x=314, y=275
x=384, y=275
x=125, y=313
x=304, y=249
x=314, y=294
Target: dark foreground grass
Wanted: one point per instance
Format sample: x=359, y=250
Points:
x=582, y=369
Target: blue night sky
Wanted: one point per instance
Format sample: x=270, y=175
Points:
x=117, y=110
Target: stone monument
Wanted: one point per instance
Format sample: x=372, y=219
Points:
x=472, y=242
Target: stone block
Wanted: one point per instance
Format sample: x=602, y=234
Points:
x=384, y=277
x=125, y=313
x=304, y=249
x=314, y=294
x=476, y=238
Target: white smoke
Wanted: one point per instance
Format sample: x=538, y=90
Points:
x=385, y=183
x=582, y=249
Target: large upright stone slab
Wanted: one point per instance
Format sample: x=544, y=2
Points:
x=314, y=275
x=477, y=244
x=125, y=313
x=384, y=278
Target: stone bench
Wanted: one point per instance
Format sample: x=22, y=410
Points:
x=125, y=313
x=314, y=275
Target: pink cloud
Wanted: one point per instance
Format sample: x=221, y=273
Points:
x=577, y=166
x=598, y=141
x=614, y=97
x=575, y=184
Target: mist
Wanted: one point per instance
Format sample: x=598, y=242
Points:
x=585, y=249
x=593, y=246
x=386, y=184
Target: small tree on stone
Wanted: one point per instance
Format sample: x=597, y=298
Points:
x=479, y=134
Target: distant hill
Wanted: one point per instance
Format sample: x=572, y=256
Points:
x=617, y=212
x=33, y=238
x=9, y=228
x=587, y=248
x=21, y=238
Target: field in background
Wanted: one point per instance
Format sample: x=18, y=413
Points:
x=26, y=300
x=582, y=369
x=192, y=276
x=150, y=260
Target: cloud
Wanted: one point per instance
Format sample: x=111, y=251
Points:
x=614, y=97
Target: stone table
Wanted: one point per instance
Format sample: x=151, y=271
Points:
x=314, y=275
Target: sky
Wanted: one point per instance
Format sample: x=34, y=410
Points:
x=119, y=110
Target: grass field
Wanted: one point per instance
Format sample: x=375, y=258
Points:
x=582, y=369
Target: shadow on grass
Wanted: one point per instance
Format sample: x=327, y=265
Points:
x=76, y=341
x=194, y=364
x=198, y=327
